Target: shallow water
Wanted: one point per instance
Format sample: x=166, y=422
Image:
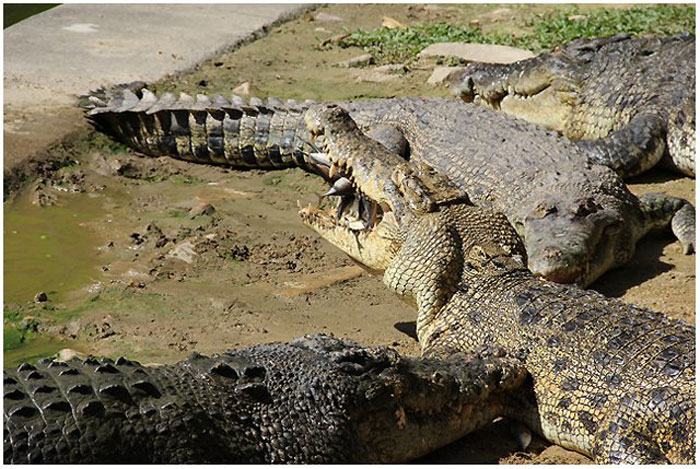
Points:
x=49, y=249
x=38, y=347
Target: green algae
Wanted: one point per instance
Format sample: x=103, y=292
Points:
x=34, y=348
x=49, y=249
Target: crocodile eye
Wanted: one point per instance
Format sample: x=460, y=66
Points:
x=585, y=207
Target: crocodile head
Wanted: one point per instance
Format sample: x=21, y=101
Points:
x=379, y=194
x=574, y=239
x=400, y=408
x=542, y=90
x=410, y=222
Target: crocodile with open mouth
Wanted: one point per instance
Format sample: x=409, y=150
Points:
x=315, y=399
x=577, y=219
x=629, y=103
x=613, y=381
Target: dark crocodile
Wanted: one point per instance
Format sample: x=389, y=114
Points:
x=613, y=381
x=577, y=219
x=630, y=102
x=315, y=399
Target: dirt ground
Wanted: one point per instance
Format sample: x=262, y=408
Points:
x=171, y=257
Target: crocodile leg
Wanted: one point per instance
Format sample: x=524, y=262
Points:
x=660, y=210
x=631, y=150
x=655, y=433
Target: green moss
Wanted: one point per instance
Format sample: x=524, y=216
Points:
x=12, y=338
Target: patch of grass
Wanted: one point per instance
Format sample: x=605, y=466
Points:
x=104, y=144
x=18, y=331
x=12, y=338
x=544, y=31
x=658, y=19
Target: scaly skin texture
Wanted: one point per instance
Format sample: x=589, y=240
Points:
x=315, y=399
x=577, y=219
x=630, y=102
x=613, y=381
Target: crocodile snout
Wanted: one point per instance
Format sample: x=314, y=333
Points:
x=555, y=265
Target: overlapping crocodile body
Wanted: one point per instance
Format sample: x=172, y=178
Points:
x=611, y=380
x=577, y=219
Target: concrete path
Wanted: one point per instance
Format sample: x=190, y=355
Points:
x=69, y=50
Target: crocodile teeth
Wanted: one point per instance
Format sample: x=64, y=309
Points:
x=342, y=186
x=357, y=225
x=521, y=434
x=333, y=170
x=320, y=158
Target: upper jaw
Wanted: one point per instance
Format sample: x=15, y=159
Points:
x=363, y=225
x=354, y=160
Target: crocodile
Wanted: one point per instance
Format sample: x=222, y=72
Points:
x=314, y=399
x=577, y=219
x=611, y=380
x=629, y=102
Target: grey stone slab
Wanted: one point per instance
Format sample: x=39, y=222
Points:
x=76, y=47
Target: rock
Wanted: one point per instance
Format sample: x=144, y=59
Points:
x=29, y=324
x=441, y=75
x=104, y=166
x=327, y=17
x=355, y=62
x=155, y=233
x=577, y=17
x=334, y=39
x=41, y=297
x=476, y=52
x=558, y=455
x=72, y=329
x=474, y=23
x=381, y=74
x=243, y=88
x=202, y=209
x=40, y=197
x=391, y=23
x=184, y=251
x=99, y=331
x=67, y=354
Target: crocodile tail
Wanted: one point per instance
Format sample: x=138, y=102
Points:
x=253, y=134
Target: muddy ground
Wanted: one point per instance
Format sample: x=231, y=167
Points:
x=155, y=258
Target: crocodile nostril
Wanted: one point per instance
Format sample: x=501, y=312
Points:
x=552, y=253
x=554, y=265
